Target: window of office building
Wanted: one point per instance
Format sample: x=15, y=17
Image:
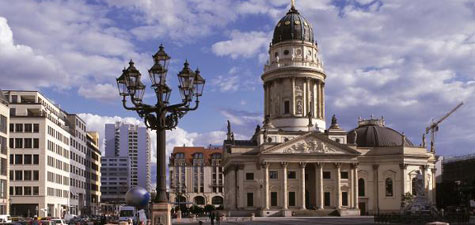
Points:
x=19, y=127
x=28, y=142
x=28, y=128
x=18, y=142
x=18, y=159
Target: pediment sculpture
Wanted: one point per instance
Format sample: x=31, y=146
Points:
x=309, y=145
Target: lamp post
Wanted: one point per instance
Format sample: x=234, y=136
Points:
x=162, y=116
x=179, y=192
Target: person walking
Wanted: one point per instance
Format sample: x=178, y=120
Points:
x=211, y=217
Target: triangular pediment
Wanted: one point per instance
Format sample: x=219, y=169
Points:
x=311, y=143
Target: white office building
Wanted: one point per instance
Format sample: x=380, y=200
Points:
x=126, y=144
x=4, y=116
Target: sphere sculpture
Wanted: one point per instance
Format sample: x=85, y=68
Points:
x=138, y=197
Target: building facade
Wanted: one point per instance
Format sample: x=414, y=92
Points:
x=115, y=181
x=78, y=150
x=93, y=174
x=39, y=156
x=196, y=176
x=295, y=165
x=4, y=154
x=132, y=141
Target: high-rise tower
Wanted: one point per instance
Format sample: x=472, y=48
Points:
x=293, y=77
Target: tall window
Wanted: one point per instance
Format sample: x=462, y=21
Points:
x=344, y=198
x=273, y=175
x=327, y=199
x=250, y=199
x=273, y=198
x=286, y=107
x=414, y=181
x=389, y=187
x=361, y=187
x=291, y=198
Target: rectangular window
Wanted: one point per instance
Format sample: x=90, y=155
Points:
x=27, y=191
x=273, y=175
x=12, y=159
x=344, y=175
x=344, y=198
x=36, y=143
x=18, y=190
x=291, y=175
x=14, y=98
x=327, y=199
x=27, y=159
x=36, y=159
x=250, y=199
x=327, y=175
x=18, y=175
x=291, y=198
x=28, y=128
x=18, y=159
x=18, y=142
x=27, y=175
x=36, y=175
x=12, y=127
x=3, y=124
x=249, y=176
x=19, y=127
x=36, y=128
x=36, y=190
x=28, y=142
x=12, y=143
x=273, y=198
x=11, y=175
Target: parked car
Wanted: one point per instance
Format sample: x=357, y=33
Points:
x=5, y=219
x=58, y=221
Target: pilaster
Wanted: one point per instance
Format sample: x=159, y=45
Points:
x=302, y=178
x=338, y=186
x=284, y=185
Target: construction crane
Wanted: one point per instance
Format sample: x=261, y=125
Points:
x=434, y=127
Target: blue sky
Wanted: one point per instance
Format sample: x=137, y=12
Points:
x=409, y=61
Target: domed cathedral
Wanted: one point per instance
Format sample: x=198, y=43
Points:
x=293, y=78
x=295, y=165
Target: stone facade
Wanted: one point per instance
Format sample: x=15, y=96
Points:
x=294, y=164
x=196, y=174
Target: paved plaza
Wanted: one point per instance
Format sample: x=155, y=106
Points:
x=296, y=221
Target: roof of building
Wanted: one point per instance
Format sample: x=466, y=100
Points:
x=190, y=151
x=373, y=133
x=3, y=98
x=293, y=26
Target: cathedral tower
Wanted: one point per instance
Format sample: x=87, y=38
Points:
x=293, y=77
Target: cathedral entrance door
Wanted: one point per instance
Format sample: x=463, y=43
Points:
x=362, y=206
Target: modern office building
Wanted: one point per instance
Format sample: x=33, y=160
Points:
x=93, y=174
x=78, y=149
x=132, y=141
x=196, y=175
x=39, y=155
x=4, y=117
x=115, y=181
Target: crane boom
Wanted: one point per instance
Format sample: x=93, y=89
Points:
x=434, y=126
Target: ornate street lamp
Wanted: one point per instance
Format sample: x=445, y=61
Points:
x=162, y=116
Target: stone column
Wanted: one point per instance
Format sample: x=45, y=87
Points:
x=355, y=194
x=284, y=185
x=266, y=165
x=292, y=102
x=424, y=175
x=434, y=184
x=302, y=179
x=403, y=167
x=323, y=100
x=338, y=188
x=376, y=186
x=318, y=185
x=319, y=100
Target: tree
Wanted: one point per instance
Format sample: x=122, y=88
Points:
x=196, y=210
x=209, y=208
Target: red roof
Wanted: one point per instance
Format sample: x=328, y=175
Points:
x=190, y=151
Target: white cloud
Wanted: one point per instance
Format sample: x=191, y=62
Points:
x=235, y=80
x=242, y=44
x=104, y=92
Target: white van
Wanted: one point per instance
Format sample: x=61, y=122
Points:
x=5, y=219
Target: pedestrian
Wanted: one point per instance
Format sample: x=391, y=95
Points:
x=218, y=218
x=211, y=216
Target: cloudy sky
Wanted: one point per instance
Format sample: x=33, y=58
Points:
x=409, y=61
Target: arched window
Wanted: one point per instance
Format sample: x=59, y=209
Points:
x=217, y=200
x=361, y=190
x=389, y=187
x=199, y=200
x=414, y=180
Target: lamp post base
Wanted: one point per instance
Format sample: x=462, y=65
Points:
x=161, y=214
